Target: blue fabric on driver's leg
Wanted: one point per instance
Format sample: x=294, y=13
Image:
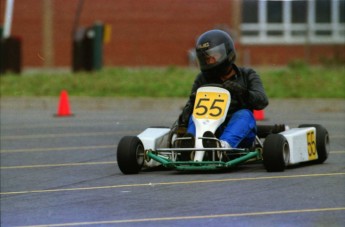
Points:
x=191, y=126
x=241, y=129
x=239, y=132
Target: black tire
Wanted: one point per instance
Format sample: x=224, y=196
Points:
x=322, y=141
x=276, y=153
x=130, y=155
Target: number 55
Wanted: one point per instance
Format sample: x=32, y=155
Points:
x=214, y=110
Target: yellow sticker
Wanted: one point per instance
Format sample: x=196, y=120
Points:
x=312, y=153
x=210, y=105
x=106, y=33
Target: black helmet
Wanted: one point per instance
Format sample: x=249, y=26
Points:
x=216, y=52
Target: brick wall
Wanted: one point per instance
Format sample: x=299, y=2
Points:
x=283, y=54
x=144, y=32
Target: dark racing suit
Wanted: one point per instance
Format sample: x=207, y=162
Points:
x=254, y=96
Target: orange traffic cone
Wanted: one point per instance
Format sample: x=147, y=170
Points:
x=63, y=108
x=259, y=115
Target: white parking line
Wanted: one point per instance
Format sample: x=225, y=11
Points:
x=57, y=149
x=59, y=165
x=337, y=152
x=160, y=219
x=152, y=184
x=40, y=136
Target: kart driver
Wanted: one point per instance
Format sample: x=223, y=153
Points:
x=216, y=56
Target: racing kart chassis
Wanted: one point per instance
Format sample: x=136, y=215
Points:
x=245, y=155
x=277, y=146
x=275, y=149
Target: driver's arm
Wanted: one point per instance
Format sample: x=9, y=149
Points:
x=256, y=97
x=188, y=108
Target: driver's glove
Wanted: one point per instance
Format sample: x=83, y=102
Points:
x=184, y=116
x=186, y=112
x=234, y=88
x=182, y=123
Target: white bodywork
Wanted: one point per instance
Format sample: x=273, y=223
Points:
x=302, y=144
x=153, y=138
x=210, y=109
x=211, y=106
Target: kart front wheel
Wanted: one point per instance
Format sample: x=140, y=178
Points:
x=130, y=155
x=276, y=153
x=322, y=141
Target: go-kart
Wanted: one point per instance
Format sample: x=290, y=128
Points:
x=276, y=146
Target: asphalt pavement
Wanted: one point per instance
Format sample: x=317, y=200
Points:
x=62, y=171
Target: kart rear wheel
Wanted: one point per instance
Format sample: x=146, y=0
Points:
x=130, y=155
x=322, y=141
x=276, y=153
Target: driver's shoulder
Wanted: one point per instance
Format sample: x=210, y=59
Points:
x=201, y=79
x=246, y=71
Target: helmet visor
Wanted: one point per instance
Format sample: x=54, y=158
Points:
x=211, y=57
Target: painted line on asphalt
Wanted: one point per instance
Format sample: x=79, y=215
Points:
x=337, y=136
x=82, y=148
x=211, y=216
x=40, y=136
x=60, y=124
x=337, y=152
x=173, y=183
x=57, y=149
x=58, y=165
x=83, y=163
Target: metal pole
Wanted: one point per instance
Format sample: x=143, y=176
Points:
x=8, y=19
x=77, y=17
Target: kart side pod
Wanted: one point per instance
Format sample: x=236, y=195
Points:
x=131, y=150
x=153, y=138
x=308, y=143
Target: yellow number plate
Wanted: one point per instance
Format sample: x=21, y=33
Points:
x=312, y=153
x=210, y=105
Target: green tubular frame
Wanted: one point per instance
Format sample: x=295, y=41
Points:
x=204, y=165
